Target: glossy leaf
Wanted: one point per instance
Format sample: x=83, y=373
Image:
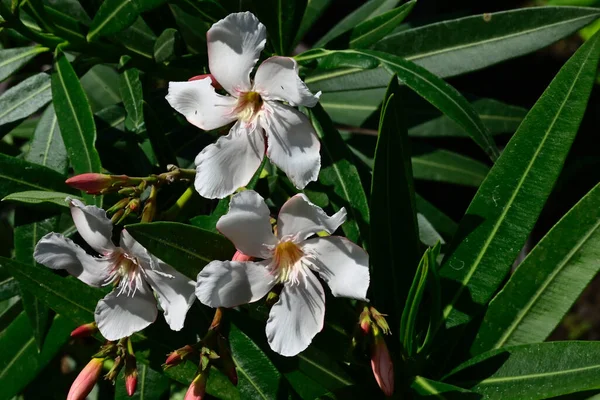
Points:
x=444, y=224
x=394, y=253
x=282, y=19
x=209, y=10
x=132, y=93
x=446, y=166
x=166, y=45
x=427, y=233
x=314, y=9
x=372, y=30
x=138, y=38
x=429, y=389
x=116, y=15
x=151, y=384
x=24, y=99
x=547, y=283
x=185, y=247
x=8, y=288
x=509, y=201
x=38, y=197
x=341, y=178
x=18, y=175
x=368, y=10
x=47, y=147
x=14, y=59
x=531, y=371
x=101, y=86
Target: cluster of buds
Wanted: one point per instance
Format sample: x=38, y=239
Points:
x=373, y=323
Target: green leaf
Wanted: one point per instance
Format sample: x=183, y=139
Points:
x=509, y=201
x=430, y=389
x=340, y=176
x=38, y=197
x=20, y=361
x=209, y=10
x=8, y=288
x=116, y=15
x=368, y=10
x=282, y=19
x=158, y=140
x=18, y=175
x=75, y=119
x=352, y=107
x=151, y=384
x=532, y=371
x=24, y=99
x=314, y=9
x=374, y=29
x=166, y=45
x=101, y=86
x=394, y=253
x=47, y=147
x=446, y=166
x=185, y=247
x=498, y=117
x=467, y=44
x=258, y=377
x=138, y=38
x=130, y=87
x=444, y=224
x=13, y=59
x=528, y=308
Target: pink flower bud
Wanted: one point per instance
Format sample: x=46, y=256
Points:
x=382, y=366
x=85, y=330
x=90, y=183
x=131, y=382
x=214, y=82
x=176, y=357
x=85, y=381
x=239, y=256
x=364, y=320
x=197, y=389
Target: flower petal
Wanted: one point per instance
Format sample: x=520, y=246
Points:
x=230, y=163
x=58, y=252
x=293, y=144
x=175, y=292
x=277, y=79
x=247, y=224
x=93, y=225
x=299, y=217
x=134, y=248
x=231, y=283
x=234, y=46
x=297, y=317
x=121, y=316
x=200, y=104
x=341, y=263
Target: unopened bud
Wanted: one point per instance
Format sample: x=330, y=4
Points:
x=118, y=205
x=124, y=215
x=213, y=81
x=178, y=356
x=149, y=211
x=364, y=320
x=91, y=183
x=197, y=388
x=226, y=360
x=85, y=381
x=381, y=364
x=117, y=216
x=239, y=256
x=131, y=375
x=129, y=190
x=134, y=204
x=380, y=320
x=84, y=330
x=115, y=369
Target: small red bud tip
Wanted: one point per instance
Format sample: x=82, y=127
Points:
x=239, y=256
x=173, y=359
x=85, y=381
x=84, y=330
x=131, y=383
x=90, y=183
x=214, y=82
x=197, y=389
x=382, y=366
x=365, y=326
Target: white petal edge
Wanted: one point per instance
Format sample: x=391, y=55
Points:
x=247, y=224
x=234, y=46
x=301, y=218
x=200, y=104
x=297, y=317
x=230, y=163
x=133, y=248
x=175, y=292
x=58, y=252
x=277, y=79
x=121, y=316
x=232, y=283
x=93, y=225
x=341, y=263
x=293, y=145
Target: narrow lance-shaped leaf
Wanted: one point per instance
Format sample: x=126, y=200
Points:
x=314, y=9
x=372, y=30
x=395, y=248
x=130, y=87
x=13, y=59
x=47, y=147
x=340, y=175
x=509, y=201
x=166, y=45
x=116, y=15
x=282, y=19
x=444, y=224
x=531, y=371
x=429, y=389
x=446, y=166
x=547, y=282
x=156, y=135
x=39, y=197
x=22, y=100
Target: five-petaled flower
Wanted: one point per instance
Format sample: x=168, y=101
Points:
x=234, y=46
x=288, y=259
x=135, y=273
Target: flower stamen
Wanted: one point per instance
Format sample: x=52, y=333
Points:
x=248, y=106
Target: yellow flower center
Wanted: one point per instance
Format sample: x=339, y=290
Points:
x=248, y=106
x=125, y=275
x=285, y=257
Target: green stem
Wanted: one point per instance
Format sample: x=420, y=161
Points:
x=176, y=208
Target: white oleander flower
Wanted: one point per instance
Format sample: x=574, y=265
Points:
x=135, y=273
x=234, y=46
x=289, y=258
